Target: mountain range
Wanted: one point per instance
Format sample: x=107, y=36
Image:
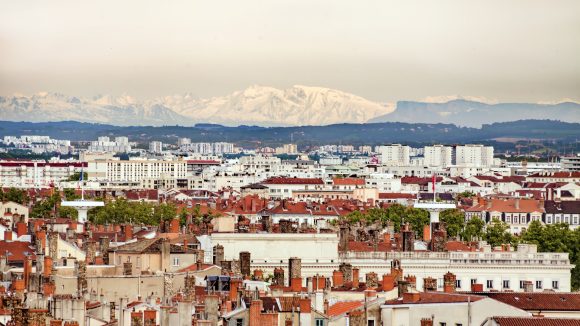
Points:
x=268, y=106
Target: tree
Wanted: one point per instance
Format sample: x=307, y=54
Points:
x=454, y=220
x=183, y=217
x=19, y=196
x=164, y=212
x=534, y=234
x=497, y=233
x=417, y=219
x=473, y=229
x=77, y=176
x=395, y=214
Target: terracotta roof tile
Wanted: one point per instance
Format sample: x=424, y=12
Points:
x=533, y=321
x=539, y=300
x=343, y=307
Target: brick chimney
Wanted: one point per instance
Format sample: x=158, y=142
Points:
x=296, y=284
x=388, y=282
x=305, y=305
x=255, y=312
x=27, y=271
x=355, y=278
x=234, y=286
x=477, y=287
x=174, y=226
x=337, y=279
x=411, y=297
x=426, y=322
x=8, y=235
x=21, y=229
x=429, y=284
x=426, y=233
x=449, y=282
x=128, y=230
x=47, y=272
x=372, y=280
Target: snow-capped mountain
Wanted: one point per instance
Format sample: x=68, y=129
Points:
x=256, y=105
x=268, y=106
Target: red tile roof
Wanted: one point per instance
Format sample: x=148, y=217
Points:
x=348, y=181
x=562, y=174
x=457, y=246
x=343, y=307
x=534, y=321
x=282, y=180
x=543, y=301
x=17, y=251
x=508, y=206
x=437, y=297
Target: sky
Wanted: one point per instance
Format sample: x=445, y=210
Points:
x=505, y=50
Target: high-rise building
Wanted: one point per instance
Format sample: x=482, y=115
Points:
x=438, y=155
x=395, y=154
x=570, y=163
x=474, y=155
x=156, y=147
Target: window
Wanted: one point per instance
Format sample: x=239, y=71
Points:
x=370, y=323
x=458, y=324
x=473, y=281
x=442, y=324
x=521, y=284
x=506, y=284
x=175, y=261
x=555, y=285
x=458, y=284
x=489, y=284
x=240, y=322
x=538, y=284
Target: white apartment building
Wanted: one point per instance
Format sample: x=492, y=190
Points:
x=259, y=163
x=287, y=149
x=384, y=182
x=219, y=148
x=474, y=155
x=438, y=155
x=32, y=174
x=183, y=141
x=395, y=155
x=136, y=170
x=104, y=144
x=156, y=147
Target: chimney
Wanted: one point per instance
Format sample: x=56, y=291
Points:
x=296, y=284
x=337, y=279
x=174, y=226
x=449, y=282
x=234, y=286
x=411, y=297
x=27, y=271
x=528, y=286
x=47, y=266
x=258, y=275
x=128, y=230
x=305, y=305
x=426, y=322
x=245, y=261
x=355, y=278
x=7, y=235
x=388, y=282
x=429, y=284
x=517, y=203
x=476, y=287
x=372, y=280
x=343, y=238
x=21, y=229
x=278, y=276
x=427, y=233
x=255, y=312
x=294, y=267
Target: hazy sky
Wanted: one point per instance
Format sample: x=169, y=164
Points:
x=509, y=50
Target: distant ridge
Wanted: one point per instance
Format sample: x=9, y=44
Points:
x=356, y=134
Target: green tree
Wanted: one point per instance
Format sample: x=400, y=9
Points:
x=534, y=234
x=497, y=233
x=19, y=196
x=454, y=220
x=473, y=229
x=164, y=212
x=183, y=217
x=417, y=219
x=395, y=214
x=77, y=176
